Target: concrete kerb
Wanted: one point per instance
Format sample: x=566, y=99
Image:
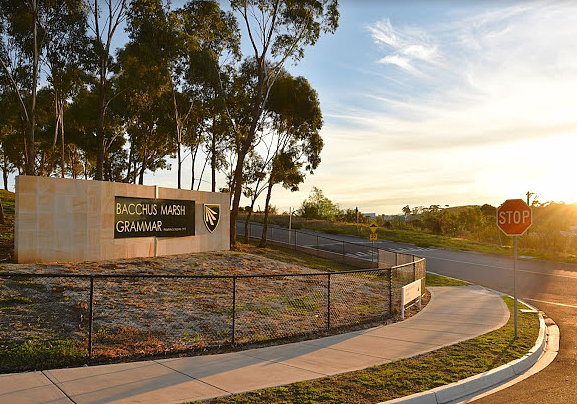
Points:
x=483, y=381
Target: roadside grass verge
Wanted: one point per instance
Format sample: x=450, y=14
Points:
x=321, y=264
x=419, y=238
x=407, y=376
x=438, y=280
x=294, y=257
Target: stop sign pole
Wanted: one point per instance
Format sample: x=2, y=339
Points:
x=514, y=217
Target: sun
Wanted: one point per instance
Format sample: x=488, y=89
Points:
x=557, y=163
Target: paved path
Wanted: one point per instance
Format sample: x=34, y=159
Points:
x=453, y=314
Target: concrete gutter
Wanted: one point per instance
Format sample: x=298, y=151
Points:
x=484, y=383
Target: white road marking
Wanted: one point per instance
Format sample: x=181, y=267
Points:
x=507, y=268
x=555, y=303
x=409, y=250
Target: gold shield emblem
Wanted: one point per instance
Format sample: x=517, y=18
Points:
x=211, y=216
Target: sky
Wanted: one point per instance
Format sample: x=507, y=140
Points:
x=439, y=103
x=448, y=103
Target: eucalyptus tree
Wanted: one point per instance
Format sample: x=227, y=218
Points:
x=10, y=153
x=104, y=23
x=254, y=184
x=278, y=31
x=144, y=86
x=28, y=27
x=295, y=120
x=209, y=43
x=65, y=57
x=81, y=132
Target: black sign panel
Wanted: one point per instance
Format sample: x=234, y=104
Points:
x=143, y=217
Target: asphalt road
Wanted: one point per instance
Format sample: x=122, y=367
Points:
x=550, y=286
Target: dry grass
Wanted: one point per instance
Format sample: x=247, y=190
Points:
x=152, y=316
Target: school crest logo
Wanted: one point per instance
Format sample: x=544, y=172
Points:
x=211, y=216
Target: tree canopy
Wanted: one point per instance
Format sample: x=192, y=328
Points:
x=73, y=105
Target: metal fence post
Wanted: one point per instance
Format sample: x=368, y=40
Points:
x=390, y=292
x=233, y=306
x=414, y=269
x=329, y=301
x=90, y=317
x=396, y=259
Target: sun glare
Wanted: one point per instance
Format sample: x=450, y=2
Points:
x=555, y=157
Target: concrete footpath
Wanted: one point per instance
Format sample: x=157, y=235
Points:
x=453, y=314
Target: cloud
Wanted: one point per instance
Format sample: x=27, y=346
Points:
x=474, y=106
x=405, y=47
x=400, y=61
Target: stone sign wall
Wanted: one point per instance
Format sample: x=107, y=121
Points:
x=66, y=220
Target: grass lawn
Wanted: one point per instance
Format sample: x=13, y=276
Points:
x=407, y=376
x=41, y=354
x=8, y=201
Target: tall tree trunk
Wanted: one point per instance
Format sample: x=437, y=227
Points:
x=201, y=175
x=62, y=164
x=85, y=166
x=243, y=151
x=213, y=158
x=128, y=170
x=247, y=221
x=266, y=209
x=179, y=166
x=178, y=136
x=5, y=168
x=193, y=157
x=144, y=163
x=107, y=168
x=141, y=175
x=30, y=155
x=73, y=160
x=100, y=125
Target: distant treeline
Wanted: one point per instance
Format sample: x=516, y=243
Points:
x=554, y=228
x=551, y=231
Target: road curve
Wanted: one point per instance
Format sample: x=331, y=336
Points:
x=550, y=286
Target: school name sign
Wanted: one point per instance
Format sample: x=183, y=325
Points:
x=145, y=217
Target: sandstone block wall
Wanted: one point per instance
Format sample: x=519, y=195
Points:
x=59, y=219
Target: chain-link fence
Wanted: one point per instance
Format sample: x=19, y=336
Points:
x=353, y=253
x=404, y=268
x=61, y=319
x=115, y=316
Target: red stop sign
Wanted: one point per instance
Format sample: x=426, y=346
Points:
x=514, y=217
